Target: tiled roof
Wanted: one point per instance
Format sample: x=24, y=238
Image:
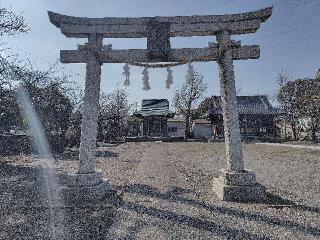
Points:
x=154, y=107
x=247, y=105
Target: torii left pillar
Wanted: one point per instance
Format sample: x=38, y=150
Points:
x=87, y=183
x=89, y=128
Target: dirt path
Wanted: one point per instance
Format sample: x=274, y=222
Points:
x=151, y=207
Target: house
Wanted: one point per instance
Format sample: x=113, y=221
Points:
x=256, y=116
x=154, y=115
x=201, y=128
x=176, y=128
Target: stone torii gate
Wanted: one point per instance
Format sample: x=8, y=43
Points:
x=235, y=183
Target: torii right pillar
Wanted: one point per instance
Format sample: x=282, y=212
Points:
x=235, y=183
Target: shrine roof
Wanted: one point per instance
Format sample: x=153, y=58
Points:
x=154, y=107
x=258, y=104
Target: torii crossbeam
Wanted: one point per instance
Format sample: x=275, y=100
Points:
x=237, y=182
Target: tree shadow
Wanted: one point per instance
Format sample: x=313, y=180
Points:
x=24, y=216
x=176, y=218
x=94, y=221
x=134, y=229
x=271, y=200
x=16, y=172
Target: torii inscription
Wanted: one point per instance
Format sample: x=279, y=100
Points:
x=236, y=183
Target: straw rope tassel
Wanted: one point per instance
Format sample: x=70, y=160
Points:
x=169, y=80
x=145, y=79
x=126, y=73
x=189, y=73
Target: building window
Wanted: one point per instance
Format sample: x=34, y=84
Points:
x=172, y=129
x=263, y=129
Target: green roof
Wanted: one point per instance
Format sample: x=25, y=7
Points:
x=154, y=107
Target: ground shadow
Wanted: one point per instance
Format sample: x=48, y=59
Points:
x=94, y=221
x=22, y=218
x=275, y=201
x=73, y=154
x=175, y=196
x=176, y=218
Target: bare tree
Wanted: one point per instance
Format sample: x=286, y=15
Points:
x=287, y=97
x=301, y=101
x=187, y=97
x=308, y=103
x=205, y=106
x=113, y=116
x=51, y=93
x=12, y=23
x=11, y=67
x=283, y=99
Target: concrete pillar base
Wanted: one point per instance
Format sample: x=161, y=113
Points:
x=238, y=187
x=86, y=188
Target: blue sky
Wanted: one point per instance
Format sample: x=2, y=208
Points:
x=289, y=40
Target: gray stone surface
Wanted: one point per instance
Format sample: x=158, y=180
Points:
x=95, y=29
x=85, y=188
x=238, y=186
x=176, y=55
x=245, y=177
x=238, y=193
x=85, y=194
x=89, y=127
x=229, y=105
x=179, y=26
x=176, y=26
x=235, y=183
x=82, y=180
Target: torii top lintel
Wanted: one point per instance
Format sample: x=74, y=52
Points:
x=158, y=31
x=117, y=27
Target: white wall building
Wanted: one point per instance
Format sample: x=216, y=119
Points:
x=201, y=128
x=176, y=128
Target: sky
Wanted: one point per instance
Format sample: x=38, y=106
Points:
x=289, y=41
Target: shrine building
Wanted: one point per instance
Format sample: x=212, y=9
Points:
x=154, y=115
x=256, y=116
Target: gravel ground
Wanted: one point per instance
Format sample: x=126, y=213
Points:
x=166, y=190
